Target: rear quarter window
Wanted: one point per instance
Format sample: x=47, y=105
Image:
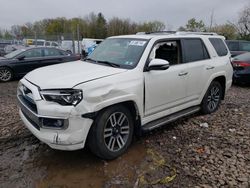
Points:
x=219, y=46
x=194, y=50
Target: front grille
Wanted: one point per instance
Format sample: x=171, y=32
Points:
x=31, y=121
x=26, y=96
x=28, y=103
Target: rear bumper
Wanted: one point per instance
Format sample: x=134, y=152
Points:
x=241, y=77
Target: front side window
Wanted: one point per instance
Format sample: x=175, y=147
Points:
x=123, y=52
x=194, y=50
x=219, y=46
x=33, y=53
x=169, y=51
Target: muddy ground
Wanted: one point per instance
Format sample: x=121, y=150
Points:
x=198, y=151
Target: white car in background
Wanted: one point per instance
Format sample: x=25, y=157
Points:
x=71, y=47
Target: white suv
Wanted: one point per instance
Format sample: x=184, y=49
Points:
x=128, y=85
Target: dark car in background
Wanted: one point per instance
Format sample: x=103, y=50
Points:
x=238, y=47
x=241, y=66
x=20, y=62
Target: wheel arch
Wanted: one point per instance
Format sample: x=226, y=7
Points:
x=222, y=81
x=130, y=105
x=219, y=77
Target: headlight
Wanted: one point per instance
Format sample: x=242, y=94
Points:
x=64, y=97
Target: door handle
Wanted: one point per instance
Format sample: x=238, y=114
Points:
x=210, y=67
x=183, y=73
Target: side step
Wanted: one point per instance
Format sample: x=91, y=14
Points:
x=168, y=119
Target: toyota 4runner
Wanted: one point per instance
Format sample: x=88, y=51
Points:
x=129, y=84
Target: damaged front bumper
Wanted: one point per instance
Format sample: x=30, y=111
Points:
x=59, y=127
x=61, y=139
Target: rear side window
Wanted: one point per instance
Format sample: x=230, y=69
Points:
x=194, y=50
x=245, y=46
x=219, y=46
x=51, y=52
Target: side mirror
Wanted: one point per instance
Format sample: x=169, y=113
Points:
x=158, y=64
x=21, y=57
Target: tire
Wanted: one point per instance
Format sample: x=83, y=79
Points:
x=112, y=132
x=212, y=98
x=6, y=74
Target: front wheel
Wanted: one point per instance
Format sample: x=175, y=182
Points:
x=212, y=98
x=112, y=132
x=5, y=74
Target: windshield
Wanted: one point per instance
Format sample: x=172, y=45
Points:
x=14, y=53
x=124, y=52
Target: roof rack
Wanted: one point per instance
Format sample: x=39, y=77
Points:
x=156, y=32
x=177, y=33
x=194, y=33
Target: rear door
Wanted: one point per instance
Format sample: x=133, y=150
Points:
x=200, y=66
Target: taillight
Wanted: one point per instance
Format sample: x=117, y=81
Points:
x=241, y=64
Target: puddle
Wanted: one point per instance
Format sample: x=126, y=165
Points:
x=82, y=169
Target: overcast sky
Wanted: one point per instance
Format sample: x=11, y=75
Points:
x=173, y=13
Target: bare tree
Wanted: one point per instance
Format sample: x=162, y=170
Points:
x=244, y=22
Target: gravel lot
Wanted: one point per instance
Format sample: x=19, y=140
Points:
x=198, y=151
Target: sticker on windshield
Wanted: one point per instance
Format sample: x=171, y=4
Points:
x=137, y=43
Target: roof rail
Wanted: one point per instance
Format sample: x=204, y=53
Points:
x=176, y=32
x=194, y=33
x=156, y=32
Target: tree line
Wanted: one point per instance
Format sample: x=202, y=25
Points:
x=91, y=26
x=97, y=26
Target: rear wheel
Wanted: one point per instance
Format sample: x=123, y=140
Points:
x=212, y=98
x=112, y=132
x=5, y=74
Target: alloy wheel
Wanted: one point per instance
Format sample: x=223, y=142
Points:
x=213, y=98
x=116, y=131
x=5, y=75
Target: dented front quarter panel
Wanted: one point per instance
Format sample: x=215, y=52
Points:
x=98, y=94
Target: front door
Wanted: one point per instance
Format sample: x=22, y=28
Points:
x=166, y=89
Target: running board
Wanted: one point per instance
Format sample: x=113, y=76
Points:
x=168, y=119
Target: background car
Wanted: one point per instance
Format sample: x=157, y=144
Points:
x=51, y=43
x=241, y=66
x=238, y=47
x=22, y=61
x=2, y=46
x=71, y=47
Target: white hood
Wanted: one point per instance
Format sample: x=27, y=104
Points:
x=67, y=75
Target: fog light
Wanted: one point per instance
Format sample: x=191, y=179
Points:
x=54, y=123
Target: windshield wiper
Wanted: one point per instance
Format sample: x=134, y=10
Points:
x=102, y=62
x=109, y=63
